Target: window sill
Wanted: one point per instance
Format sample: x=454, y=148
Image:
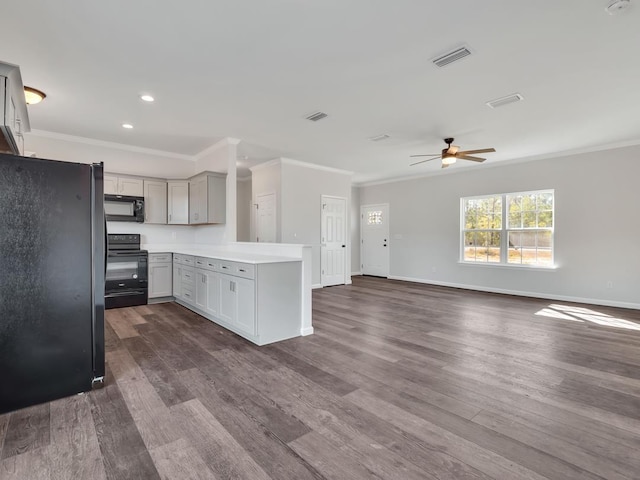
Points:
x=551, y=268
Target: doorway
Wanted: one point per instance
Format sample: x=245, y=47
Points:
x=333, y=245
x=266, y=218
x=374, y=240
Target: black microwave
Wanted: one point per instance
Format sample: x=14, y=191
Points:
x=121, y=208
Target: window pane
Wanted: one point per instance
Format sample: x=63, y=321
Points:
x=515, y=250
x=545, y=201
x=469, y=247
x=545, y=248
x=515, y=220
x=529, y=219
x=493, y=247
x=545, y=219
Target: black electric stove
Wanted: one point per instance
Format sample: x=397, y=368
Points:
x=126, y=281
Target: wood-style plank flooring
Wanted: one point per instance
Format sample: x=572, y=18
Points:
x=400, y=381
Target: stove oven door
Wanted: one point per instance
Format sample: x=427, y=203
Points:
x=126, y=271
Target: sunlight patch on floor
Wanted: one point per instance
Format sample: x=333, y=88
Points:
x=581, y=314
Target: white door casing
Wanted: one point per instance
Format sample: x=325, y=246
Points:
x=374, y=240
x=266, y=218
x=333, y=246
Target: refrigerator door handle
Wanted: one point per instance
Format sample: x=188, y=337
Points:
x=99, y=254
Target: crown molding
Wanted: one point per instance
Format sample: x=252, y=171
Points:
x=268, y=163
x=298, y=163
x=101, y=143
x=225, y=142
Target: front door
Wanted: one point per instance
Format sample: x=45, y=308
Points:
x=334, y=240
x=374, y=244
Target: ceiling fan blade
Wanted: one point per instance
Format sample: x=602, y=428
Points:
x=482, y=150
x=468, y=157
x=422, y=161
x=427, y=155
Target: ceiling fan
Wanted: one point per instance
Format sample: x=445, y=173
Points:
x=450, y=154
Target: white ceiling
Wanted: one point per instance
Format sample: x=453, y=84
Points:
x=253, y=69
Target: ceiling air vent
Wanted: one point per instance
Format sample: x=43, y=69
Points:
x=450, y=57
x=502, y=101
x=379, y=138
x=314, y=117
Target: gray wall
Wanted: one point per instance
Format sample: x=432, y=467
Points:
x=597, y=234
x=244, y=210
x=302, y=189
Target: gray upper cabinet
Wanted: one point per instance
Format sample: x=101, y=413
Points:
x=207, y=199
x=155, y=202
x=126, y=186
x=178, y=202
x=14, y=119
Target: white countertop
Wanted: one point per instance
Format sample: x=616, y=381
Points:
x=220, y=253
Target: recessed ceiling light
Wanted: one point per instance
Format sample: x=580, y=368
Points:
x=147, y=98
x=127, y=126
x=33, y=96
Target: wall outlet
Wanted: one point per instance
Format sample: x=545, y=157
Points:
x=610, y=284
x=174, y=235
x=434, y=269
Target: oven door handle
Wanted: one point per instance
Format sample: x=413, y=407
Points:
x=122, y=253
x=123, y=294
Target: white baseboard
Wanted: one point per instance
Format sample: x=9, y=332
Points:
x=548, y=296
x=306, y=331
x=317, y=285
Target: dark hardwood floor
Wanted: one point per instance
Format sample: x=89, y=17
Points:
x=400, y=381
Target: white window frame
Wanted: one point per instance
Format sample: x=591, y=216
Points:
x=504, y=231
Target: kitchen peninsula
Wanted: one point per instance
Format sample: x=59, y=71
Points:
x=264, y=297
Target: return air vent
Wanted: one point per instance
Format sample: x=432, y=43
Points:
x=314, y=117
x=379, y=138
x=502, y=101
x=453, y=56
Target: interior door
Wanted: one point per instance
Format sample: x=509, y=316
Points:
x=374, y=240
x=266, y=218
x=333, y=245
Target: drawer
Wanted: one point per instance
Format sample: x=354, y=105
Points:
x=187, y=295
x=159, y=258
x=245, y=270
x=188, y=277
x=183, y=259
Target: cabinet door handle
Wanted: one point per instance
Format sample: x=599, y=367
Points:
x=169, y=217
x=241, y=270
x=232, y=286
x=226, y=268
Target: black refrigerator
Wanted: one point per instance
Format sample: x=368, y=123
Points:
x=52, y=268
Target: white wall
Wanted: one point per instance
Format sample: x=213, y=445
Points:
x=355, y=230
x=138, y=161
x=119, y=160
x=265, y=179
x=597, y=232
x=244, y=210
x=302, y=188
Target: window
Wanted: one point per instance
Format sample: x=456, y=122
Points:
x=375, y=218
x=509, y=228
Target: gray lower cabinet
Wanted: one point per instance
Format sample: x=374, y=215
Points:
x=160, y=275
x=261, y=302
